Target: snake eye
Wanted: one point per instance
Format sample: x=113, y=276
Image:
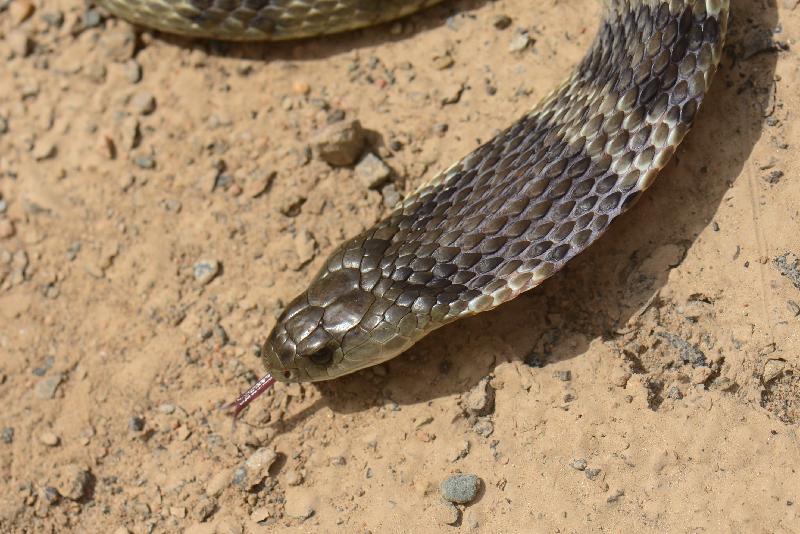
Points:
x=323, y=356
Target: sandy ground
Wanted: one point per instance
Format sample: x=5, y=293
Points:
x=652, y=386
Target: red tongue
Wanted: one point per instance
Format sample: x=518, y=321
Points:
x=263, y=384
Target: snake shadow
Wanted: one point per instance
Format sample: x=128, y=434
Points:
x=317, y=48
x=597, y=293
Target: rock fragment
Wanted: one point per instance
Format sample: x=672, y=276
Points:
x=72, y=481
x=205, y=271
x=300, y=503
x=461, y=488
x=372, y=172
x=340, y=144
x=46, y=388
x=49, y=439
x=480, y=399
x=255, y=469
x=143, y=103
x=446, y=513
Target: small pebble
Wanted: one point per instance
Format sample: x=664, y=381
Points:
x=204, y=509
x=578, y=463
x=483, y=427
x=73, y=481
x=255, y=469
x=300, y=503
x=145, y=161
x=7, y=434
x=7, y=229
x=340, y=144
x=520, y=41
x=774, y=177
x=446, y=513
x=564, y=376
x=772, y=370
x=91, y=18
x=136, y=423
x=591, y=474
x=390, y=196
x=205, y=271
x=49, y=439
x=501, y=22
x=177, y=511
x=133, y=71
x=46, y=388
x=372, y=172
x=20, y=10
x=461, y=489
x=218, y=482
x=480, y=400
x=674, y=393
x=20, y=43
x=143, y=103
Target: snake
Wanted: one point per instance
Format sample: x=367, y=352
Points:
x=508, y=215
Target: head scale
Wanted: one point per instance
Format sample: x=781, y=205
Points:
x=334, y=328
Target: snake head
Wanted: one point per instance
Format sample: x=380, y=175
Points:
x=334, y=328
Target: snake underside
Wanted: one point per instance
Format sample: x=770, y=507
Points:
x=517, y=209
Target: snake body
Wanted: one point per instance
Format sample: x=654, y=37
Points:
x=511, y=213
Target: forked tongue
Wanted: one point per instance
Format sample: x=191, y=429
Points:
x=241, y=402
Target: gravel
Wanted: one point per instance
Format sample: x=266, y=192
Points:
x=461, y=489
x=7, y=435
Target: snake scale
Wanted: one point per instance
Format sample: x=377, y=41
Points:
x=505, y=217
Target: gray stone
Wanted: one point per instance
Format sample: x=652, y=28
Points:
x=7, y=435
x=461, y=489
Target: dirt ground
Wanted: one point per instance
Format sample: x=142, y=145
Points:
x=653, y=385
